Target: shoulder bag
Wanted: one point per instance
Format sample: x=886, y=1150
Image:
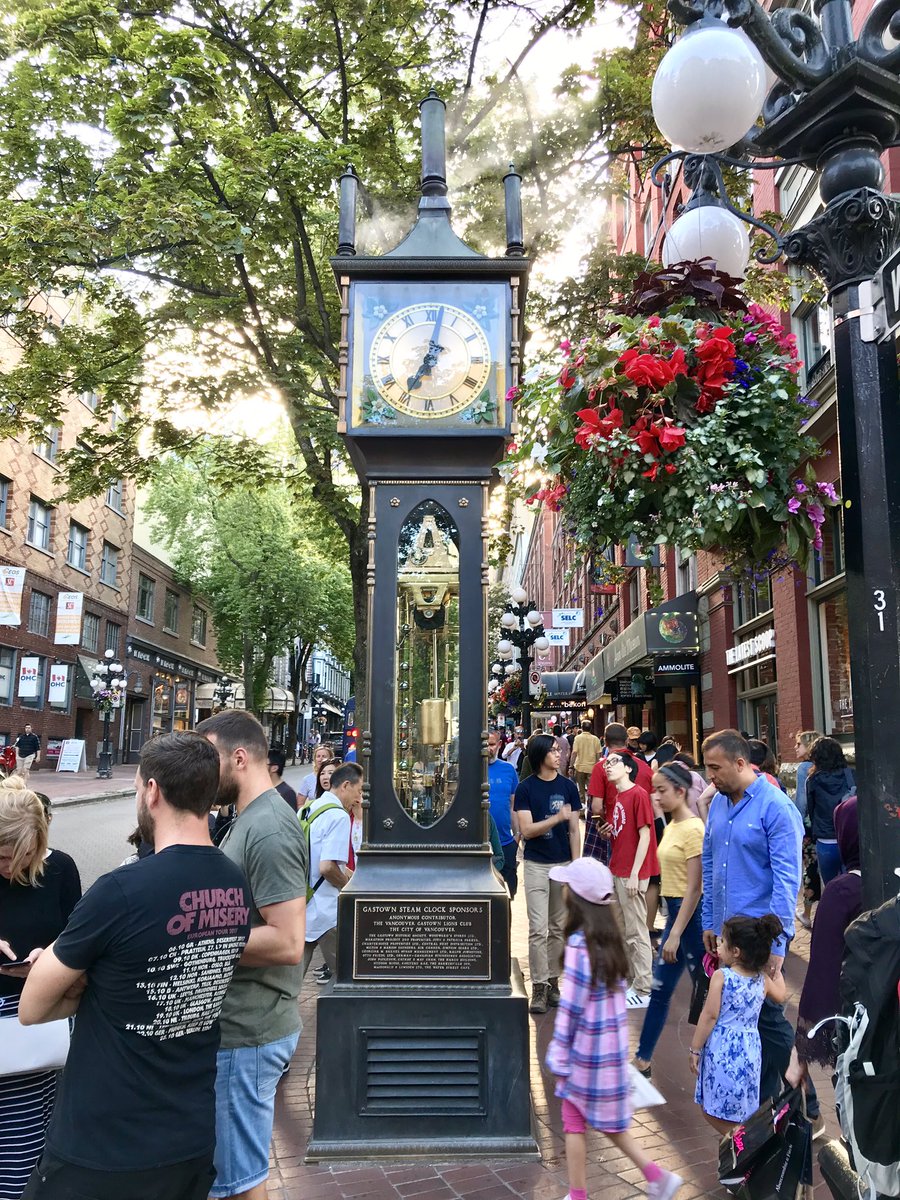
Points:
x=25, y=1049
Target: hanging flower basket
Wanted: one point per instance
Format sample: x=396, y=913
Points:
x=507, y=695
x=680, y=422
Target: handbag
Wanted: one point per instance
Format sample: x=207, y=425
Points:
x=769, y=1156
x=25, y=1049
x=698, y=998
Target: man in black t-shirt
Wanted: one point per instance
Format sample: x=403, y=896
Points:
x=547, y=807
x=145, y=961
x=28, y=751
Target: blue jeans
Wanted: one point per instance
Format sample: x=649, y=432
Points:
x=829, y=858
x=666, y=975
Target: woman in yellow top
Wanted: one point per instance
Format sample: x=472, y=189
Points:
x=682, y=882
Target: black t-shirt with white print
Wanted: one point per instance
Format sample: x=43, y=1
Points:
x=159, y=939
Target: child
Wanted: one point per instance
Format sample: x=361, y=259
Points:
x=726, y=1055
x=589, y=1050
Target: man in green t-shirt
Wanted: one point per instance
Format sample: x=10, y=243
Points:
x=260, y=1020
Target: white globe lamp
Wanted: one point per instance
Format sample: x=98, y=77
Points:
x=505, y=647
x=709, y=88
x=542, y=644
x=507, y=620
x=709, y=231
x=533, y=617
x=519, y=595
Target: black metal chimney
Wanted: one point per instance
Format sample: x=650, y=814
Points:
x=347, y=219
x=434, y=154
x=515, y=234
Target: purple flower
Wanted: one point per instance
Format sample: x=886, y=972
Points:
x=816, y=514
x=565, y=345
x=793, y=504
x=800, y=486
x=806, y=402
x=827, y=490
x=750, y=339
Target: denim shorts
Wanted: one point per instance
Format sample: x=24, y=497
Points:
x=246, y=1079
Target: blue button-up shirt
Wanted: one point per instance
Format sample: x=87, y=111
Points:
x=752, y=858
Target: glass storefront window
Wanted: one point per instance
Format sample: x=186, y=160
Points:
x=162, y=705
x=829, y=561
x=752, y=600
x=759, y=717
x=834, y=652
x=426, y=740
x=182, y=720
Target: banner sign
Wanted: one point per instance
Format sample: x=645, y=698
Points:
x=57, y=692
x=71, y=756
x=568, y=618
x=12, y=581
x=557, y=637
x=68, y=618
x=28, y=678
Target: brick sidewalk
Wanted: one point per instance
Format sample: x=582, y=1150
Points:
x=675, y=1134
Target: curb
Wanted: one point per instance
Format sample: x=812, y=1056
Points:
x=75, y=801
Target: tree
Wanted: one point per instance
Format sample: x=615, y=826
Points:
x=269, y=587
x=168, y=172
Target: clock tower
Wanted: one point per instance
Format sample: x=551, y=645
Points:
x=423, y=1037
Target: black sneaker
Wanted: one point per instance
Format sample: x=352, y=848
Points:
x=553, y=996
x=539, y=1002
x=323, y=975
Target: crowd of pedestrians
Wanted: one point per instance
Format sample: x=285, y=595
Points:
x=183, y=967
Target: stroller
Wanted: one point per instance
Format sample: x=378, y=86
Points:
x=867, y=1077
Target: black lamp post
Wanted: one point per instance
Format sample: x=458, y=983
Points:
x=108, y=686
x=223, y=692
x=522, y=629
x=834, y=108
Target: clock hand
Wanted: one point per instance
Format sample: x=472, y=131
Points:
x=431, y=356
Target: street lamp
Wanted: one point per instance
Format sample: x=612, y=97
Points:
x=523, y=630
x=223, y=691
x=108, y=687
x=834, y=107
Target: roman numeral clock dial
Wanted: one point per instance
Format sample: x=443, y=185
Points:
x=430, y=360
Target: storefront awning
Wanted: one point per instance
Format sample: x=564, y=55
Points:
x=277, y=699
x=564, y=689
x=84, y=671
x=669, y=628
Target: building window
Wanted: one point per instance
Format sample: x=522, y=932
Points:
x=648, y=229
x=114, y=495
x=109, y=564
x=759, y=716
x=76, y=555
x=7, y=675
x=145, y=598
x=38, y=700
x=834, y=666
x=5, y=487
x=48, y=446
x=38, y=524
x=829, y=561
x=627, y=211
x=90, y=633
x=198, y=625
x=91, y=399
x=634, y=596
x=39, y=614
x=752, y=600
x=112, y=637
x=686, y=572
x=170, y=616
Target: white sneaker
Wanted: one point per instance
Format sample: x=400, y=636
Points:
x=635, y=999
x=666, y=1187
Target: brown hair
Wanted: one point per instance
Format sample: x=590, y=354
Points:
x=752, y=937
x=807, y=736
x=186, y=769
x=23, y=826
x=236, y=730
x=605, y=947
x=732, y=744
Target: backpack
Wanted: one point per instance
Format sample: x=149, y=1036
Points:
x=306, y=819
x=867, y=1083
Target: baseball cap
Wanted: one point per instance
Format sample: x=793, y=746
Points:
x=588, y=878
x=634, y=733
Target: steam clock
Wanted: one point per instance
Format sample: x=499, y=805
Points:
x=423, y=1043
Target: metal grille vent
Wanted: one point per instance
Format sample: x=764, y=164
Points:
x=424, y=1074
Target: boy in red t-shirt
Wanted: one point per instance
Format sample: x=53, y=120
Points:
x=632, y=862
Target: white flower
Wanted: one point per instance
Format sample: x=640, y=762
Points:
x=539, y=454
x=533, y=374
x=506, y=471
x=479, y=311
x=379, y=310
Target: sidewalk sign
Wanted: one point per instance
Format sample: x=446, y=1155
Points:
x=71, y=756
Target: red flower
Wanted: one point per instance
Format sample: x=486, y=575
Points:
x=646, y=370
x=671, y=437
x=567, y=377
x=671, y=468
x=594, y=424
x=647, y=443
x=651, y=474
x=678, y=362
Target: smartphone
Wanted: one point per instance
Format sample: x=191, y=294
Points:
x=22, y=962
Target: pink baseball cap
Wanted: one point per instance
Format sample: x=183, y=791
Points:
x=588, y=878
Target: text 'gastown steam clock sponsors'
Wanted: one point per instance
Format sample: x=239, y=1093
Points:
x=421, y=939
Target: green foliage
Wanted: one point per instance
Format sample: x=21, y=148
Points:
x=254, y=552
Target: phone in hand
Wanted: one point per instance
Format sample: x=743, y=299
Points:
x=22, y=962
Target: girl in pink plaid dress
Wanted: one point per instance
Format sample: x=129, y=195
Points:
x=589, y=1051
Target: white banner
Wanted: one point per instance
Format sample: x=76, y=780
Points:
x=557, y=637
x=28, y=678
x=12, y=581
x=57, y=692
x=568, y=618
x=68, y=618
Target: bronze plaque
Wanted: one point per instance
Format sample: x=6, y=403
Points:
x=421, y=939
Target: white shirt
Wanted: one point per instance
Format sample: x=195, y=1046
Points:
x=307, y=788
x=329, y=839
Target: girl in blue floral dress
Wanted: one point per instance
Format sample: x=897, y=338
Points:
x=726, y=1055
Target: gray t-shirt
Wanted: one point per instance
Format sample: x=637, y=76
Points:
x=265, y=840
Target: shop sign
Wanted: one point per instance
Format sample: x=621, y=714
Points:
x=140, y=655
x=677, y=670
x=58, y=688
x=28, y=678
x=186, y=671
x=166, y=663
x=557, y=637
x=673, y=626
x=637, y=556
x=568, y=618
x=69, y=607
x=627, y=690
x=745, y=653
x=628, y=648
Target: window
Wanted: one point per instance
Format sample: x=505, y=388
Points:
x=39, y=614
x=109, y=564
x=829, y=561
x=634, y=596
x=627, y=211
x=648, y=230
x=198, y=625
x=38, y=524
x=752, y=600
x=170, y=617
x=686, y=572
x=146, y=595
x=90, y=633
x=114, y=495
x=5, y=487
x=91, y=399
x=49, y=444
x=7, y=675
x=38, y=700
x=112, y=637
x=76, y=555
x=813, y=328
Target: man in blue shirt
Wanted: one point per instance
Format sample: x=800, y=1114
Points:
x=751, y=865
x=503, y=781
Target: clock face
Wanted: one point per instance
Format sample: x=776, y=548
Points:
x=430, y=359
